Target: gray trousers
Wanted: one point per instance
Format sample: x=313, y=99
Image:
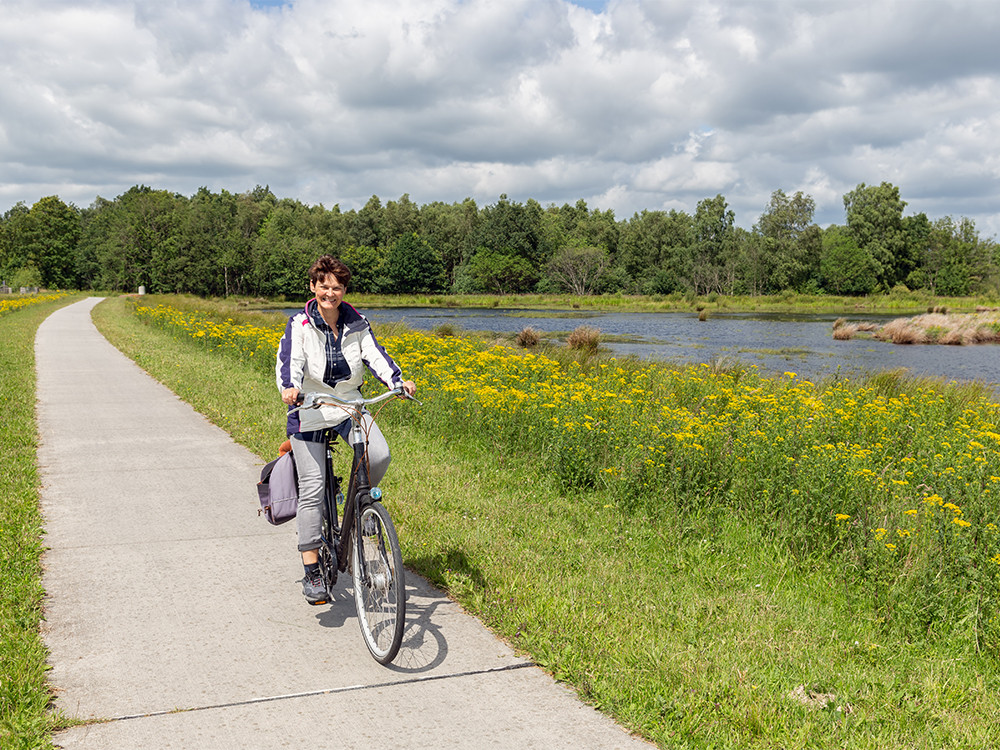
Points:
x=310, y=462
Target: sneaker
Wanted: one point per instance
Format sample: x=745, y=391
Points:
x=314, y=589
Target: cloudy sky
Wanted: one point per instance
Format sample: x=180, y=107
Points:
x=628, y=104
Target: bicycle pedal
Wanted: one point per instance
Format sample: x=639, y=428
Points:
x=321, y=601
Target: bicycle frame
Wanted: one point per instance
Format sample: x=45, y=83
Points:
x=358, y=492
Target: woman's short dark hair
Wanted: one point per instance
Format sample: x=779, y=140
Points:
x=327, y=265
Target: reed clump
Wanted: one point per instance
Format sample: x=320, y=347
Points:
x=585, y=339
x=942, y=328
x=844, y=331
x=527, y=338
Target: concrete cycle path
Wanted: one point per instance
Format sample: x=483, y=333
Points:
x=174, y=615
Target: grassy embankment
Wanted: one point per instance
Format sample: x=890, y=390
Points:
x=713, y=558
x=24, y=696
x=909, y=303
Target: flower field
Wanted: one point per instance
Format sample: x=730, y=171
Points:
x=245, y=340
x=896, y=484
x=16, y=303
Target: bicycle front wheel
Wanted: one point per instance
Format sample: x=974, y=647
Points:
x=379, y=586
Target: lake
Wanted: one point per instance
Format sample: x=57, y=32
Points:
x=774, y=342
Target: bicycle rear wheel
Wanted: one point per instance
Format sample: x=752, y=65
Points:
x=380, y=597
x=327, y=551
x=328, y=565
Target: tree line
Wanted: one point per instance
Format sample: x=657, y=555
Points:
x=252, y=243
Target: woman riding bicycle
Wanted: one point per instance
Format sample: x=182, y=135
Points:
x=325, y=348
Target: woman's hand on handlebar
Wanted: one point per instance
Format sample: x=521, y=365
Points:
x=410, y=387
x=290, y=396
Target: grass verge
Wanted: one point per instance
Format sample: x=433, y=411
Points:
x=24, y=696
x=697, y=631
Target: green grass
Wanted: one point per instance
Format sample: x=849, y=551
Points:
x=24, y=696
x=693, y=634
x=695, y=630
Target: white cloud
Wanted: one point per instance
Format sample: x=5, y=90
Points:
x=629, y=104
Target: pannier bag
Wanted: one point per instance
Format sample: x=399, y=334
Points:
x=278, y=490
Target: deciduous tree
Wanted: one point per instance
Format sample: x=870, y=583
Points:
x=413, y=267
x=13, y=243
x=367, y=266
x=956, y=261
x=792, y=240
x=492, y=271
x=652, y=249
x=290, y=239
x=578, y=269
x=510, y=228
x=846, y=268
x=875, y=220
x=137, y=236
x=447, y=228
x=711, y=261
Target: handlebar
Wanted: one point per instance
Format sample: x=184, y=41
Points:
x=316, y=400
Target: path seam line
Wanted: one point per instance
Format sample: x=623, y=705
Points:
x=322, y=691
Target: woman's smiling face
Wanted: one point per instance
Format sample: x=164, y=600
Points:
x=329, y=292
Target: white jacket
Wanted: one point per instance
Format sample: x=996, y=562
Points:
x=301, y=363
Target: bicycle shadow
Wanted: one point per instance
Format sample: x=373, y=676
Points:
x=425, y=646
x=424, y=643
x=340, y=609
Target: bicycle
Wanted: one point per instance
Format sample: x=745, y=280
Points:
x=364, y=541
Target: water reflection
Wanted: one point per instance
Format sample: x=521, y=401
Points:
x=775, y=343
